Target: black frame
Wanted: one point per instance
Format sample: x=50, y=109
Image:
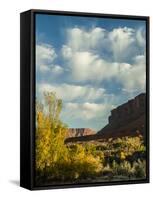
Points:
x=27, y=98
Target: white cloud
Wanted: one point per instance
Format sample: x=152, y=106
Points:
x=45, y=55
x=43, y=68
x=80, y=39
x=86, y=66
x=133, y=77
x=140, y=36
x=73, y=92
x=90, y=115
x=80, y=108
x=87, y=62
x=86, y=110
x=122, y=42
x=66, y=51
x=57, y=70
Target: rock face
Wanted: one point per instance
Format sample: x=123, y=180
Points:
x=128, y=119
x=129, y=111
x=77, y=132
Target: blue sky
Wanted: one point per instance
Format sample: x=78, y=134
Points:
x=93, y=64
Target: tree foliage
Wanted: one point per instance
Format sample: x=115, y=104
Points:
x=55, y=160
x=50, y=132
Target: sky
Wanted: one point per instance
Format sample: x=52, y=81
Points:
x=93, y=65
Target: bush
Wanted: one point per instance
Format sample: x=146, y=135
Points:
x=107, y=171
x=84, y=163
x=139, y=169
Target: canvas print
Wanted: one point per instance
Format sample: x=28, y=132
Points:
x=90, y=119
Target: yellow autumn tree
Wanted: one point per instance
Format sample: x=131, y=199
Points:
x=54, y=160
x=50, y=132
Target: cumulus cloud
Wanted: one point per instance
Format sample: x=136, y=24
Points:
x=45, y=57
x=133, y=77
x=56, y=69
x=82, y=115
x=86, y=66
x=84, y=61
x=122, y=43
x=80, y=39
x=86, y=110
x=140, y=36
x=66, y=52
x=80, y=108
x=69, y=92
x=87, y=62
x=119, y=42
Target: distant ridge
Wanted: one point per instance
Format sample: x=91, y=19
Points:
x=76, y=132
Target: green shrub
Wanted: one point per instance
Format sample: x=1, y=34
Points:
x=139, y=169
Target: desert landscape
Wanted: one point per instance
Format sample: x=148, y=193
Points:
x=90, y=100
x=115, y=153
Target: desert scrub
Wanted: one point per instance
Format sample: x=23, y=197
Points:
x=139, y=169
